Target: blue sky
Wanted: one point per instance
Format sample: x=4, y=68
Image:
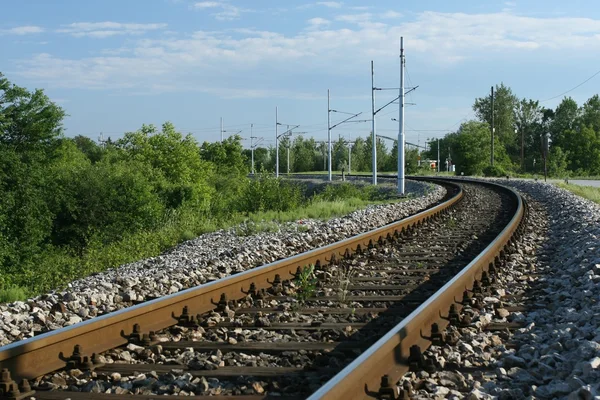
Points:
x=116, y=64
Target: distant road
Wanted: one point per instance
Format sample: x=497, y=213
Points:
x=585, y=182
x=580, y=182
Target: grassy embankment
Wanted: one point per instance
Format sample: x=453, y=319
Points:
x=587, y=192
x=58, y=268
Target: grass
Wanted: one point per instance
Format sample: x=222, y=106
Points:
x=53, y=268
x=12, y=294
x=587, y=192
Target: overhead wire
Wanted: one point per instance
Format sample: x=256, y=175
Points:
x=570, y=90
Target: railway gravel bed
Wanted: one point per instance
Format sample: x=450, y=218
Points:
x=537, y=334
x=280, y=343
x=207, y=258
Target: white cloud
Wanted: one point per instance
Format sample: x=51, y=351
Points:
x=330, y=4
x=228, y=12
x=205, y=61
x=23, y=30
x=107, y=29
x=207, y=4
x=390, y=14
x=316, y=23
x=354, y=18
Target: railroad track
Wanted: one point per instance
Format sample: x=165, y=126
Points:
x=287, y=329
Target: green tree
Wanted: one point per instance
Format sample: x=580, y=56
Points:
x=88, y=147
x=505, y=104
x=528, y=118
x=557, y=162
x=590, y=113
x=305, y=154
x=563, y=119
x=27, y=119
x=583, y=150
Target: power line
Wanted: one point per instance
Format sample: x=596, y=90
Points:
x=570, y=90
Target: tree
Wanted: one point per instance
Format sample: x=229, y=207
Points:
x=590, y=114
x=340, y=155
x=583, y=150
x=88, y=147
x=305, y=153
x=505, y=103
x=177, y=158
x=528, y=117
x=27, y=119
x=563, y=119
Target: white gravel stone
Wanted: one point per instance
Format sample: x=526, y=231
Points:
x=558, y=352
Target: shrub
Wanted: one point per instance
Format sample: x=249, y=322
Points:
x=12, y=294
x=494, y=171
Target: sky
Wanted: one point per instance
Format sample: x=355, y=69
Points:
x=114, y=65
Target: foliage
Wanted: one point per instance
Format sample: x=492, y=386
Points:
x=266, y=192
x=496, y=171
x=345, y=191
x=505, y=103
x=306, y=283
x=12, y=294
x=557, y=163
x=27, y=119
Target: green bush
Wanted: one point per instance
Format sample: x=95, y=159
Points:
x=12, y=294
x=266, y=192
x=494, y=171
x=345, y=191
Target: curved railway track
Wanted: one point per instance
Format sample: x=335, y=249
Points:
x=377, y=301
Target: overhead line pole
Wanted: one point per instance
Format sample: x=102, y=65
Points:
x=330, y=127
x=329, y=172
x=276, y=145
x=493, y=129
x=438, y=158
x=252, y=147
x=222, y=131
x=374, y=138
x=401, y=163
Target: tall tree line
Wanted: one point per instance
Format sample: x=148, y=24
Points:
x=520, y=125
x=308, y=155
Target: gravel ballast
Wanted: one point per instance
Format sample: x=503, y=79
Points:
x=558, y=351
x=207, y=258
x=553, y=279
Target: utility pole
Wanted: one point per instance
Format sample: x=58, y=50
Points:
x=288, y=152
x=330, y=127
x=418, y=149
x=288, y=132
x=522, y=148
x=276, y=145
x=438, y=159
x=374, y=139
x=329, y=173
x=349, y=157
x=492, y=155
x=222, y=131
x=448, y=158
x=401, y=163
x=252, y=146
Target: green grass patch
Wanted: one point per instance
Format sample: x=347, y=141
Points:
x=12, y=294
x=587, y=192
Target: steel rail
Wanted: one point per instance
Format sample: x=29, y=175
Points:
x=389, y=355
x=34, y=357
